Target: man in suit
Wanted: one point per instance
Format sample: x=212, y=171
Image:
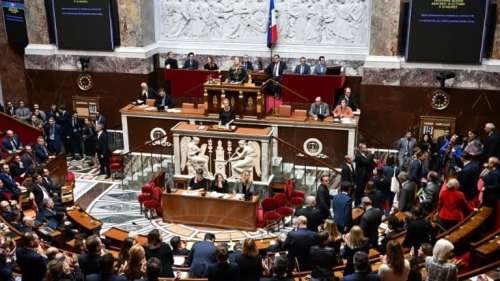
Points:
x=342, y=206
x=9, y=183
x=65, y=122
x=202, y=256
x=364, y=167
x=76, y=135
x=199, y=181
x=491, y=143
x=23, y=112
x=191, y=62
x=302, y=68
x=146, y=93
x=362, y=269
x=416, y=170
x=53, y=135
x=49, y=184
x=40, y=150
x=298, y=243
x=28, y=159
x=468, y=176
x=319, y=110
x=164, y=101
x=280, y=270
x=323, y=198
x=11, y=142
x=10, y=109
x=320, y=68
x=53, y=112
x=347, y=96
x=370, y=221
x=171, y=62
x=247, y=64
x=102, y=151
x=237, y=73
x=405, y=146
x=90, y=261
x=41, y=194
x=30, y=258
x=418, y=230
x=223, y=270
x=407, y=194
x=311, y=213
x=100, y=119
x=275, y=72
x=40, y=114
x=491, y=178
x=348, y=172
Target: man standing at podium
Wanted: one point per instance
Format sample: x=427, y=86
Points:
x=226, y=114
x=275, y=72
x=237, y=74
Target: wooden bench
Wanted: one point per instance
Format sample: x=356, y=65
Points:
x=486, y=249
x=467, y=227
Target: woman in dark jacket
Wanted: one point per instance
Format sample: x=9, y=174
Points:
x=158, y=249
x=249, y=262
x=322, y=259
x=355, y=241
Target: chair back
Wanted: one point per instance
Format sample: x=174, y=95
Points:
x=280, y=199
x=269, y=204
x=290, y=187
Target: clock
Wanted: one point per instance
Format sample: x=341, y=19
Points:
x=85, y=81
x=440, y=100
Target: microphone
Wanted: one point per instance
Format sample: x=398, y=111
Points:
x=229, y=123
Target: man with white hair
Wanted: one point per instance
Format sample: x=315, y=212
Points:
x=491, y=179
x=298, y=242
x=146, y=93
x=311, y=213
x=491, y=143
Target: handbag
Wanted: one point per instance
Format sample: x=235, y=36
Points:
x=395, y=183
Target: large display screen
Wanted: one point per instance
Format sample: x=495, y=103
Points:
x=83, y=24
x=446, y=31
x=15, y=25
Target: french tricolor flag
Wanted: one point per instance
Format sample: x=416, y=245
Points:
x=272, y=27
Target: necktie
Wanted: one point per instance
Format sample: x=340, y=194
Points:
x=408, y=147
x=301, y=69
x=13, y=144
x=44, y=149
x=276, y=70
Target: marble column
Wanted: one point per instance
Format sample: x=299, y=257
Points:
x=495, y=54
x=136, y=22
x=385, y=27
x=36, y=22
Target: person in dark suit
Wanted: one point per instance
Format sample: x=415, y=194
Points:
x=342, y=205
x=17, y=168
x=407, y=194
x=249, y=261
x=28, y=159
x=102, y=151
x=10, y=109
x=280, y=270
x=33, y=264
x=320, y=68
x=418, y=230
x=298, y=244
x=202, y=256
x=53, y=112
x=49, y=184
x=76, y=135
x=210, y=65
x=106, y=270
x=199, y=181
x=40, y=193
x=322, y=258
x=370, y=221
x=237, y=73
x=247, y=64
x=191, y=62
x=323, y=198
x=178, y=247
x=362, y=269
x=245, y=186
x=100, y=119
x=171, y=62
x=223, y=270
x=468, y=176
x=90, y=262
x=9, y=183
x=156, y=248
x=319, y=110
x=375, y=195
x=348, y=171
x=164, y=101
x=491, y=178
x=65, y=122
x=226, y=113
x=302, y=68
x=416, y=170
x=347, y=96
x=146, y=93
x=11, y=142
x=53, y=136
x=275, y=72
x=219, y=184
x=312, y=214
x=491, y=143
x=364, y=167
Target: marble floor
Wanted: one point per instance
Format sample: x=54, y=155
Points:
x=106, y=200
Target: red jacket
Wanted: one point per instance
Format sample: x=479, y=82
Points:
x=452, y=205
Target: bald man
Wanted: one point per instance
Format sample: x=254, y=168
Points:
x=491, y=143
x=311, y=213
x=298, y=242
x=146, y=93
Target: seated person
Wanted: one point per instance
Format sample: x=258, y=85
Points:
x=320, y=68
x=6, y=211
x=191, y=62
x=11, y=142
x=10, y=184
x=246, y=186
x=226, y=114
x=302, y=68
x=164, y=101
x=17, y=168
x=146, y=93
x=28, y=159
x=349, y=99
x=319, y=110
x=49, y=184
x=178, y=247
x=219, y=184
x=237, y=73
x=49, y=214
x=199, y=182
x=342, y=110
x=210, y=65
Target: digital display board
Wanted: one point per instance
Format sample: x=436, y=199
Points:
x=15, y=24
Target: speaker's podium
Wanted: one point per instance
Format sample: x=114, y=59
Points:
x=245, y=99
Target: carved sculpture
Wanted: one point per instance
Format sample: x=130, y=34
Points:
x=246, y=157
x=193, y=156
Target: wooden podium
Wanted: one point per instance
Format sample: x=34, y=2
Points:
x=245, y=99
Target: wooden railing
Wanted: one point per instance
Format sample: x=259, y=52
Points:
x=25, y=131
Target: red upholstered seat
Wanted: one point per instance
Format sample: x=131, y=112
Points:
x=285, y=211
x=296, y=202
x=145, y=195
x=269, y=204
x=280, y=199
x=70, y=177
x=116, y=164
x=154, y=203
x=271, y=217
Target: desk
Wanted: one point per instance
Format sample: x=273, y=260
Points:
x=211, y=212
x=246, y=99
x=84, y=220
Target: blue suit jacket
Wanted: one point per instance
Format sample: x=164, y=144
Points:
x=298, y=244
x=7, y=145
x=202, y=256
x=342, y=205
x=33, y=266
x=57, y=134
x=41, y=155
x=9, y=183
x=468, y=178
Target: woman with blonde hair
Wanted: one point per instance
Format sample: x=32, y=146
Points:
x=438, y=267
x=135, y=268
x=394, y=265
x=334, y=238
x=355, y=241
x=249, y=262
